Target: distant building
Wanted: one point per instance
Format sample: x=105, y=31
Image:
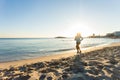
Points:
x=93, y=35
x=117, y=33
x=113, y=35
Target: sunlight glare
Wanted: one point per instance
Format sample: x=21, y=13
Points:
x=83, y=29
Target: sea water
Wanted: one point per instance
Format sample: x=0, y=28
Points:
x=24, y=48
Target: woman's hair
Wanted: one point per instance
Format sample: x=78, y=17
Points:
x=78, y=34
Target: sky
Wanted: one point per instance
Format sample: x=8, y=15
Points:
x=50, y=18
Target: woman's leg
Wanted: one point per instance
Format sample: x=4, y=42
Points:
x=78, y=48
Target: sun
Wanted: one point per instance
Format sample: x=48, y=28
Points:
x=83, y=29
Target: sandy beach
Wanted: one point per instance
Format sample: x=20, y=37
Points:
x=95, y=63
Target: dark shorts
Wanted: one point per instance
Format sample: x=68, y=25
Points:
x=78, y=43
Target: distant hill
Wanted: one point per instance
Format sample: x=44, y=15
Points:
x=60, y=37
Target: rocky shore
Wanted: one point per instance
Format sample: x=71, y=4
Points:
x=103, y=64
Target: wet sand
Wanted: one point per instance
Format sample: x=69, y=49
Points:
x=96, y=63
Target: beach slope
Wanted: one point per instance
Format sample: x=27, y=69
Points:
x=96, y=63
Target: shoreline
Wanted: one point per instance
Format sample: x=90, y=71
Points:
x=18, y=53
x=4, y=65
x=65, y=54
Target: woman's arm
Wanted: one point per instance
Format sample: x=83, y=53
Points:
x=81, y=38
